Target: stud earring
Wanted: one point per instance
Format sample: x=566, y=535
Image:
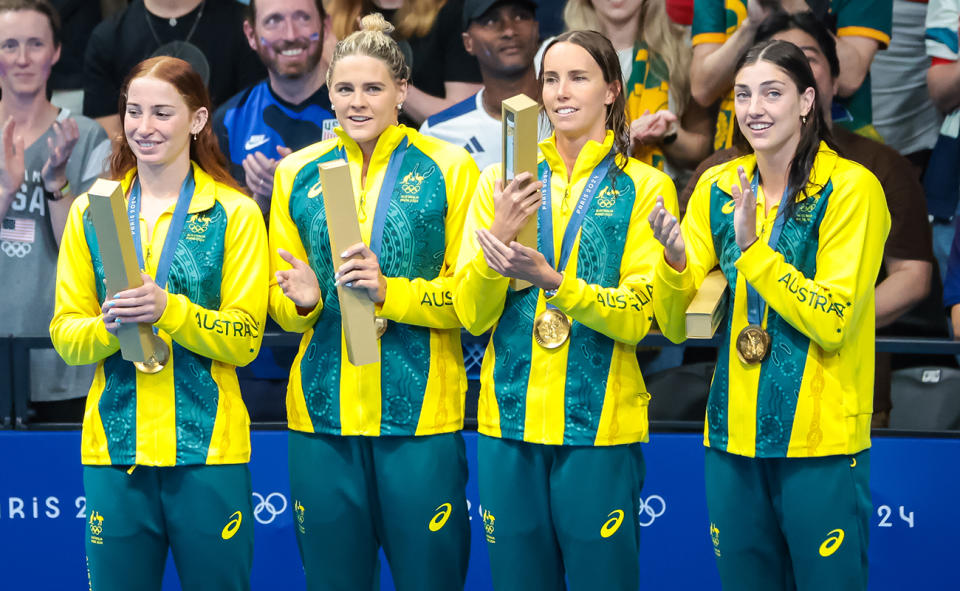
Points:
x=400, y=107
x=803, y=119
x=194, y=137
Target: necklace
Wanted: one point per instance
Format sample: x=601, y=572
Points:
x=173, y=22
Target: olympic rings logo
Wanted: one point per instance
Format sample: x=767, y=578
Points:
x=15, y=249
x=651, y=508
x=269, y=506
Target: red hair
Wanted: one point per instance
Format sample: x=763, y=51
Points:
x=205, y=151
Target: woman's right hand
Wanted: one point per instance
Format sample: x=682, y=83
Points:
x=513, y=205
x=666, y=229
x=299, y=283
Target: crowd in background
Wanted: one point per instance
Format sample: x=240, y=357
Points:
x=890, y=66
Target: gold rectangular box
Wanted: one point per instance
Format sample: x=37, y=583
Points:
x=108, y=211
x=519, y=116
x=356, y=308
x=706, y=311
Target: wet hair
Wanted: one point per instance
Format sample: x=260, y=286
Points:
x=43, y=7
x=807, y=22
x=792, y=61
x=205, y=151
x=372, y=40
x=603, y=53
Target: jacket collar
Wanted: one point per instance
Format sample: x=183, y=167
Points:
x=386, y=144
x=823, y=165
x=204, y=194
x=592, y=154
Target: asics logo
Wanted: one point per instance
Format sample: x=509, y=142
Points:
x=440, y=519
x=232, y=526
x=832, y=543
x=611, y=525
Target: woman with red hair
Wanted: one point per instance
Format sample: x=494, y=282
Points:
x=165, y=443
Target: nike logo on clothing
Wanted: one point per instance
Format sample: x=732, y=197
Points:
x=255, y=141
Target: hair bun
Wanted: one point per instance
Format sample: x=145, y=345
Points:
x=375, y=23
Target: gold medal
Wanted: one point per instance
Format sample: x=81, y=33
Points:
x=157, y=361
x=753, y=344
x=381, y=324
x=551, y=328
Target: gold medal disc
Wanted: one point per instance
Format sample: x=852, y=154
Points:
x=157, y=361
x=551, y=328
x=381, y=324
x=753, y=344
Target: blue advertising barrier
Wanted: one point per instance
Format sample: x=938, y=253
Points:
x=914, y=483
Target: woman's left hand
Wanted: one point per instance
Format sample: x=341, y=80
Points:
x=59, y=147
x=744, y=211
x=363, y=272
x=140, y=304
x=518, y=261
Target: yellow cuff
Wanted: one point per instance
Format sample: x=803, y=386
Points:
x=174, y=314
x=678, y=280
x=757, y=257
x=398, y=298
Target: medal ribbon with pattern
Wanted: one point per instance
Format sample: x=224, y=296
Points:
x=576, y=218
x=383, y=203
x=386, y=194
x=161, y=352
x=756, y=306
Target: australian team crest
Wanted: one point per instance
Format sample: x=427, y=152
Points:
x=197, y=225
x=411, y=184
x=606, y=201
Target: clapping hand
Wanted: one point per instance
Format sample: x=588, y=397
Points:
x=744, y=211
x=12, y=166
x=518, y=261
x=259, y=171
x=299, y=283
x=59, y=147
x=666, y=229
x=650, y=128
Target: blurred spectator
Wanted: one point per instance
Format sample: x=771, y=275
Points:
x=903, y=113
x=443, y=74
x=287, y=111
x=665, y=126
x=47, y=157
x=942, y=179
x=206, y=33
x=907, y=259
x=503, y=36
x=723, y=30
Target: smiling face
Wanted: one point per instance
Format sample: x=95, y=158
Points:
x=575, y=95
x=27, y=51
x=286, y=36
x=769, y=107
x=365, y=97
x=504, y=39
x=158, y=123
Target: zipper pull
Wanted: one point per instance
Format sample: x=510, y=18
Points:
x=362, y=208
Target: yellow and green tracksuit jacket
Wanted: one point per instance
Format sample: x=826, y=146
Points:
x=191, y=412
x=589, y=391
x=813, y=394
x=648, y=90
x=419, y=385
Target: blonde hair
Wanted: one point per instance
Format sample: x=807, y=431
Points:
x=414, y=19
x=664, y=38
x=372, y=40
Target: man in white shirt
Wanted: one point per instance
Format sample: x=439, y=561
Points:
x=503, y=35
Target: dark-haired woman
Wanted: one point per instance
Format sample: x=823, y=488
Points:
x=165, y=444
x=563, y=407
x=798, y=232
